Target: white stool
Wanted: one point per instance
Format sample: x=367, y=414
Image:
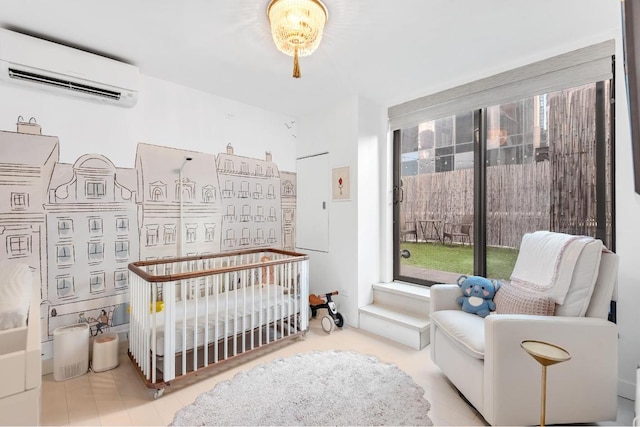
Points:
x=105, y=353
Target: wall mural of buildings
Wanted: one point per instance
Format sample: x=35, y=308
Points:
x=78, y=226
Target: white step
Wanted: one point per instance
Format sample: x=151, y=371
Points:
x=406, y=298
x=399, y=312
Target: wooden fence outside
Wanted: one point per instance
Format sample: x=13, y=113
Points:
x=572, y=127
x=517, y=199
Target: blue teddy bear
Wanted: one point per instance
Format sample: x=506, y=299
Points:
x=478, y=294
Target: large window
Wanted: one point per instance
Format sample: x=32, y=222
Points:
x=436, y=203
x=469, y=184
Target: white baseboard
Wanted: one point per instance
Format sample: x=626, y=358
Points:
x=626, y=389
x=47, y=367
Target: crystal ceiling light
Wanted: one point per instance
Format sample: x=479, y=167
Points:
x=296, y=26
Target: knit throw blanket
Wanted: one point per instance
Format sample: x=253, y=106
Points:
x=546, y=262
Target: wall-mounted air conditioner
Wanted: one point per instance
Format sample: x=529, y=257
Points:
x=41, y=64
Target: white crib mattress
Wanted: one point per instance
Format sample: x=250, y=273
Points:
x=229, y=314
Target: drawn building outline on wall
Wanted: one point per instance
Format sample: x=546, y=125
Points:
x=26, y=165
x=249, y=191
x=79, y=225
x=89, y=216
x=164, y=225
x=288, y=191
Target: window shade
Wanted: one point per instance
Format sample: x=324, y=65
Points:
x=586, y=65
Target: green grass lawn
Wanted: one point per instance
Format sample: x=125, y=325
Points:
x=459, y=258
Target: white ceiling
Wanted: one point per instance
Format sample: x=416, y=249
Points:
x=388, y=51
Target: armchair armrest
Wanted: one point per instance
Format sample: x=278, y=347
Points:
x=583, y=389
x=443, y=297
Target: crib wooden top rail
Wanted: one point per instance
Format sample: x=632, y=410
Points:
x=138, y=266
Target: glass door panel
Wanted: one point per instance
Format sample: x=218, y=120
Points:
x=434, y=209
x=543, y=172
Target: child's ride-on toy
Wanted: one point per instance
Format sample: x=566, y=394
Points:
x=332, y=318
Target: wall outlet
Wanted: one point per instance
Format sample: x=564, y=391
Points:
x=344, y=292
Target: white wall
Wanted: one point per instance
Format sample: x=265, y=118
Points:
x=371, y=137
x=335, y=131
x=627, y=240
x=352, y=132
x=166, y=114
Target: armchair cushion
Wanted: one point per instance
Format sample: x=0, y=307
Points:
x=466, y=330
x=514, y=299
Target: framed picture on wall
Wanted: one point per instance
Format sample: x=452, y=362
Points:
x=341, y=183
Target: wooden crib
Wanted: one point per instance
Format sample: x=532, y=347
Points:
x=189, y=314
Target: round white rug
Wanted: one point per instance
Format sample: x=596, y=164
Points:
x=317, y=388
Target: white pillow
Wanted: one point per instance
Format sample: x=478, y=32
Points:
x=15, y=294
x=513, y=299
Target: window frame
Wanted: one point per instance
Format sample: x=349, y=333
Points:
x=592, y=64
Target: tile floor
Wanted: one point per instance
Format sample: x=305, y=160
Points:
x=118, y=396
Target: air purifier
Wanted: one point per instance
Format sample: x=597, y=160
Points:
x=70, y=351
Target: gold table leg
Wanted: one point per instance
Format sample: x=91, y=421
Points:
x=546, y=354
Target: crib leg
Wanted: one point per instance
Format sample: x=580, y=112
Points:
x=158, y=393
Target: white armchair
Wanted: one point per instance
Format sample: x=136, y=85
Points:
x=483, y=359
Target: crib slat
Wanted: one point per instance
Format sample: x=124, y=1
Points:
x=243, y=313
x=169, y=364
x=195, y=324
x=253, y=306
x=207, y=294
x=183, y=296
x=216, y=333
x=235, y=313
x=226, y=317
x=154, y=327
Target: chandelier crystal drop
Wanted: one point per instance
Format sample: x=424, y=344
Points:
x=296, y=27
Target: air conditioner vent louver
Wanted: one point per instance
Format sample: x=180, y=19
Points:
x=60, y=83
x=34, y=63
